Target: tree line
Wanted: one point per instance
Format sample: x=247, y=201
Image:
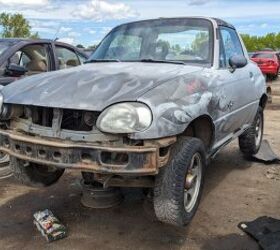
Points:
x=255, y=43
x=15, y=25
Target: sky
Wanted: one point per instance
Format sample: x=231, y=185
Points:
x=88, y=21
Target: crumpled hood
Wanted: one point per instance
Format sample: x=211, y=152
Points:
x=93, y=86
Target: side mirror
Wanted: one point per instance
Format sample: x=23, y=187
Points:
x=15, y=70
x=237, y=62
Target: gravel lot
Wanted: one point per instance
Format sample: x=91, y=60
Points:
x=236, y=190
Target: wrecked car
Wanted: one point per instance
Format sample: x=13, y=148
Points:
x=156, y=101
x=21, y=57
x=25, y=57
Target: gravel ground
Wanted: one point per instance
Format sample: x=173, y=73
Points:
x=236, y=190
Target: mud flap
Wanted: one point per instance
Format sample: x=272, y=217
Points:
x=265, y=230
x=266, y=154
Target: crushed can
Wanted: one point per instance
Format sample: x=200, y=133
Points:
x=49, y=226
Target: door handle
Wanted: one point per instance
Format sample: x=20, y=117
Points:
x=251, y=74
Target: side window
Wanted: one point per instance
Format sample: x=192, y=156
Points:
x=230, y=44
x=125, y=47
x=34, y=58
x=67, y=58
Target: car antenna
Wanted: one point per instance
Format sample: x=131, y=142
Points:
x=55, y=38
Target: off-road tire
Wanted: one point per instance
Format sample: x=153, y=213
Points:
x=247, y=141
x=170, y=182
x=34, y=175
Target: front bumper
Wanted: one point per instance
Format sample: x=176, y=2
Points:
x=139, y=160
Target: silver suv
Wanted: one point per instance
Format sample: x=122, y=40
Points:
x=154, y=103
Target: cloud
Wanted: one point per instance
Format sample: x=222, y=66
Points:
x=264, y=25
x=69, y=40
x=92, y=32
x=74, y=34
x=27, y=5
x=45, y=26
x=24, y=2
x=100, y=10
x=105, y=30
x=65, y=29
x=89, y=30
x=198, y=2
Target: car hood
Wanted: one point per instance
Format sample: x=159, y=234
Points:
x=93, y=86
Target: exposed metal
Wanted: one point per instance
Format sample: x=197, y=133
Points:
x=140, y=160
x=99, y=197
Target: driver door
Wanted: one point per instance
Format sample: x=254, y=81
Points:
x=236, y=89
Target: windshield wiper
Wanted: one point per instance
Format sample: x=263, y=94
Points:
x=102, y=60
x=150, y=60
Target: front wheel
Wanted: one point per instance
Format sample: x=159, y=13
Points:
x=179, y=185
x=250, y=141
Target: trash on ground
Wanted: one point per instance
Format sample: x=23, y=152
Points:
x=266, y=154
x=265, y=230
x=49, y=226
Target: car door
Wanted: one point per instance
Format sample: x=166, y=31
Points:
x=235, y=91
x=34, y=57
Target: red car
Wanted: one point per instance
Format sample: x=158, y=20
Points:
x=268, y=61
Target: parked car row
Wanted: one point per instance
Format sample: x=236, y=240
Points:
x=155, y=102
x=268, y=61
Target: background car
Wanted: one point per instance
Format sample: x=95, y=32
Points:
x=268, y=61
x=250, y=54
x=25, y=57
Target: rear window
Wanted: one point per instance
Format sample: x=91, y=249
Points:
x=263, y=55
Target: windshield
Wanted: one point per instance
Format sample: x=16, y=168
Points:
x=186, y=40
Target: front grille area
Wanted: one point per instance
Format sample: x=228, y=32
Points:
x=76, y=120
x=96, y=158
x=42, y=116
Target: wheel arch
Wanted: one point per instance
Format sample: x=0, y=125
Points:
x=203, y=128
x=263, y=101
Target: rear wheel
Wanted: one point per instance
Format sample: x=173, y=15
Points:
x=179, y=185
x=250, y=141
x=33, y=174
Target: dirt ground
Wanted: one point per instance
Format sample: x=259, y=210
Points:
x=236, y=190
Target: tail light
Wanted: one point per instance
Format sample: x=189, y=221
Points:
x=270, y=63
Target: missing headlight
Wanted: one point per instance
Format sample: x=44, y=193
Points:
x=10, y=111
